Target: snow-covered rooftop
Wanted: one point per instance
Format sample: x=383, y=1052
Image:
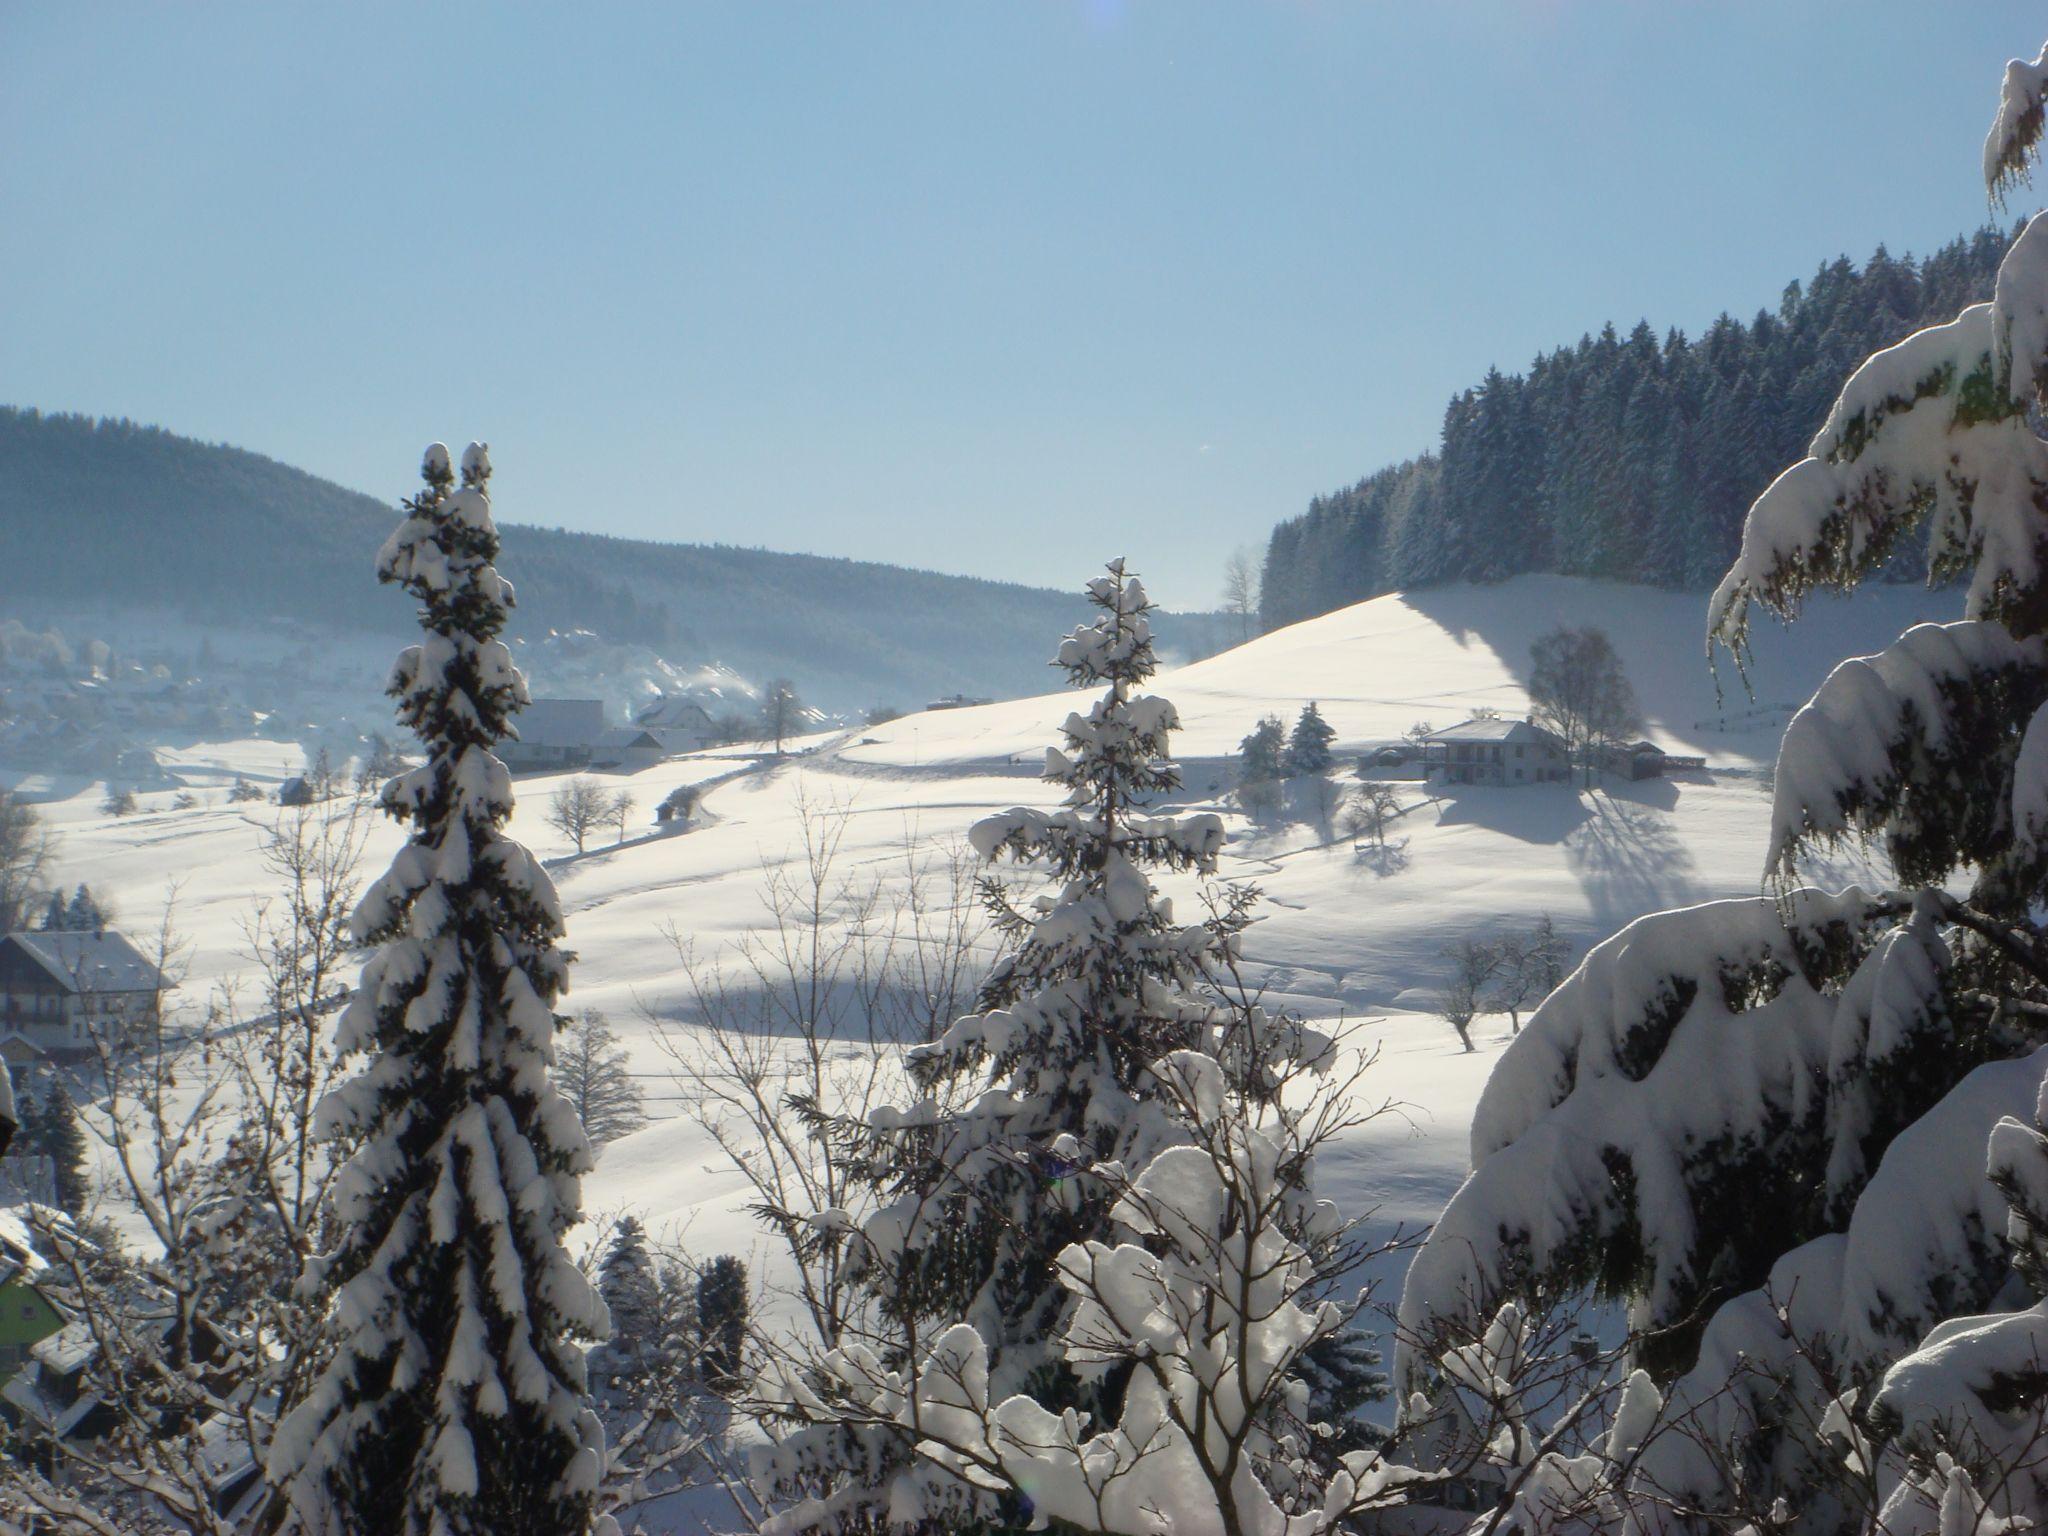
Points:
x=88, y=962
x=1492, y=730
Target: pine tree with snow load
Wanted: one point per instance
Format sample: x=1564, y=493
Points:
x=1764, y=1122
x=456, y=1399
x=976, y=1204
x=1095, y=1235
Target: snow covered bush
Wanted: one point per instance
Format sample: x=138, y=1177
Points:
x=456, y=1400
x=1763, y=1123
x=1043, y=1113
x=1205, y=1302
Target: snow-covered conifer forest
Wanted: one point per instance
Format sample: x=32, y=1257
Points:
x=1469, y=1059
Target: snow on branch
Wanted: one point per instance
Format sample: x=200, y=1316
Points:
x=2016, y=131
x=1680, y=1078
x=1911, y=747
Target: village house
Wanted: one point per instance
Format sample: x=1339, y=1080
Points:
x=555, y=736
x=1495, y=751
x=57, y=988
x=679, y=723
x=27, y=1316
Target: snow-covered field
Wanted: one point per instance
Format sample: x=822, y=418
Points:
x=1341, y=933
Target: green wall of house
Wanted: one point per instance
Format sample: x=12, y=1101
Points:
x=26, y=1319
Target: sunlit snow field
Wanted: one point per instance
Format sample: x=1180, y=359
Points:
x=1341, y=932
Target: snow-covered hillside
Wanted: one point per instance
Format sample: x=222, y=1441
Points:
x=1378, y=667
x=1341, y=932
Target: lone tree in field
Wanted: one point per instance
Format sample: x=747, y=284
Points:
x=1579, y=689
x=1241, y=590
x=782, y=712
x=455, y=1402
x=578, y=809
x=1373, y=808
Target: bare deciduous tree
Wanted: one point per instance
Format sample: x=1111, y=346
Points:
x=578, y=809
x=1241, y=589
x=199, y=1345
x=1531, y=966
x=595, y=1075
x=1474, y=963
x=25, y=848
x=782, y=712
x=783, y=1030
x=620, y=811
x=1579, y=689
x=1372, y=809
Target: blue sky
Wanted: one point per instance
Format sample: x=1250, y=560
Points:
x=1001, y=288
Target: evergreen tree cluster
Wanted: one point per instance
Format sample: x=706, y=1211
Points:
x=50, y=1128
x=1631, y=457
x=82, y=913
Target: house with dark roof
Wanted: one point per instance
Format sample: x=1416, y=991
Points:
x=1495, y=751
x=57, y=988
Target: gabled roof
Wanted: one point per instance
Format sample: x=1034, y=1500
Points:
x=1493, y=730
x=88, y=962
x=619, y=737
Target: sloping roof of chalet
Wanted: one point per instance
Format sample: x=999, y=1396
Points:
x=1495, y=730
x=674, y=712
x=88, y=962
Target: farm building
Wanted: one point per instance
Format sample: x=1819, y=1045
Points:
x=1645, y=760
x=56, y=987
x=554, y=735
x=1495, y=752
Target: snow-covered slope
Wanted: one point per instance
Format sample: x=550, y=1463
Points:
x=1341, y=932
x=1377, y=667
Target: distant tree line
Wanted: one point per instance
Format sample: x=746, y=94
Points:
x=1625, y=456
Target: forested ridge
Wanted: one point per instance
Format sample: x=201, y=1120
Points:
x=1630, y=456
x=98, y=510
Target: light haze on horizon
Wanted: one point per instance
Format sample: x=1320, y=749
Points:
x=995, y=289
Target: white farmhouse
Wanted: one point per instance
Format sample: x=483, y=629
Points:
x=1493, y=751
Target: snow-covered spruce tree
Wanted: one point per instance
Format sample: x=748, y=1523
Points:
x=456, y=1398
x=1764, y=1122
x=1308, y=744
x=976, y=1204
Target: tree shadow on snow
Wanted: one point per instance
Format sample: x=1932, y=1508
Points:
x=1389, y=860
x=1531, y=813
x=1627, y=855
